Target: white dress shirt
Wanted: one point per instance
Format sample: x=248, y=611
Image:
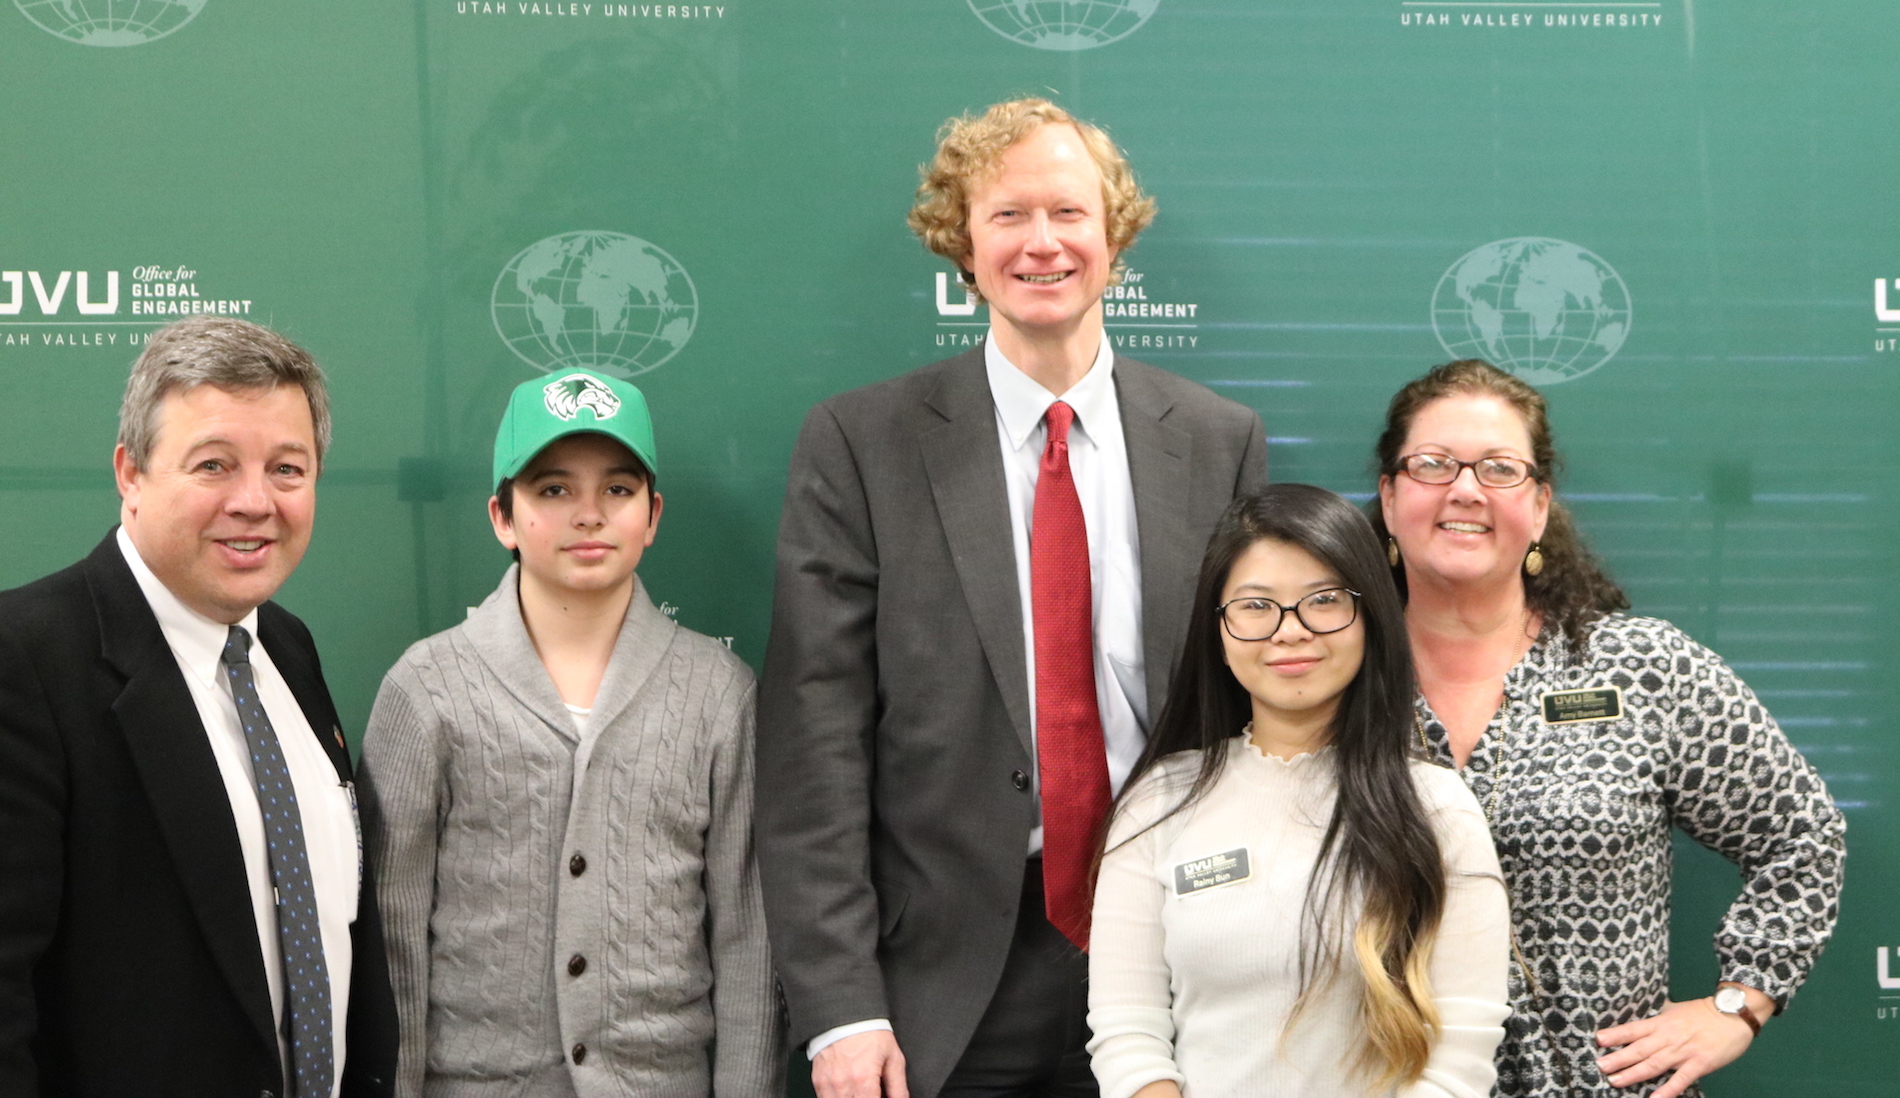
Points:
x=327, y=806
x=1098, y=462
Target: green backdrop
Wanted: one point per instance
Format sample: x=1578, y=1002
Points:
x=1668, y=215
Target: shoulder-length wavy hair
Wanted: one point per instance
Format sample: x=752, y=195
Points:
x=1379, y=851
x=1573, y=590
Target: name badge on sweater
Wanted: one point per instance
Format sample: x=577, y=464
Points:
x=1213, y=871
x=1599, y=703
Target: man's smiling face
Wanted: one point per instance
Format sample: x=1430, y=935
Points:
x=222, y=511
x=1038, y=234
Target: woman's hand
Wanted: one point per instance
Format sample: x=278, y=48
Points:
x=1164, y=1088
x=1689, y=1038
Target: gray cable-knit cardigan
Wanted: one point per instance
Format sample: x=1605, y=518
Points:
x=545, y=942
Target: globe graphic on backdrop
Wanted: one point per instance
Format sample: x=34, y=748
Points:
x=1064, y=24
x=1546, y=310
x=110, y=22
x=602, y=300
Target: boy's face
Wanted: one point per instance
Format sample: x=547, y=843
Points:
x=583, y=514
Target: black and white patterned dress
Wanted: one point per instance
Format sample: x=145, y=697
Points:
x=1581, y=813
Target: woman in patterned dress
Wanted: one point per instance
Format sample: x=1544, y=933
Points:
x=1585, y=734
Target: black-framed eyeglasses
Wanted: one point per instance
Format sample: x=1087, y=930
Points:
x=1492, y=472
x=1253, y=618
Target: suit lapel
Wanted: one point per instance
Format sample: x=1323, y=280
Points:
x=296, y=660
x=169, y=749
x=1159, y=460
x=964, y=463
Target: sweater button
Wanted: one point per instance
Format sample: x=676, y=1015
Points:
x=577, y=865
x=576, y=965
x=580, y=1054
x=1019, y=779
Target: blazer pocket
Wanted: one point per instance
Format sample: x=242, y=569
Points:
x=890, y=909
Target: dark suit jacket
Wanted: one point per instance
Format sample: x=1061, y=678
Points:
x=129, y=962
x=893, y=726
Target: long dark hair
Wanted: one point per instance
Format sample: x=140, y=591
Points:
x=1573, y=590
x=1379, y=849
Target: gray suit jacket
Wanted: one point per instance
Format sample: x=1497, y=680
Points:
x=893, y=727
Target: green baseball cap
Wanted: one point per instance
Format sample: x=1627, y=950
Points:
x=570, y=403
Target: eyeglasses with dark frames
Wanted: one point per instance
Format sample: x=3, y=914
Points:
x=1492, y=472
x=1254, y=617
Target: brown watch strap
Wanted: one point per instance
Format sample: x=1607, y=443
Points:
x=1743, y=1012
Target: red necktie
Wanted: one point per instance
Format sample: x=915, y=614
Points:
x=1070, y=758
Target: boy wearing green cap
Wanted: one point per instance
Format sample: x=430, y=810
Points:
x=560, y=800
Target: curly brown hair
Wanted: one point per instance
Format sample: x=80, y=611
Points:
x=1573, y=590
x=970, y=150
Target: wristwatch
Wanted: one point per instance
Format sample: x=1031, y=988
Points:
x=1731, y=999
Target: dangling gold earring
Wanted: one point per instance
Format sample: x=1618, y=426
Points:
x=1534, y=560
x=1392, y=551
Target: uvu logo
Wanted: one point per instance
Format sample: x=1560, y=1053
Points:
x=1881, y=312
x=50, y=300
x=1887, y=978
x=947, y=307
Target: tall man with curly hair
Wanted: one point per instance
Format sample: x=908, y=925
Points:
x=984, y=571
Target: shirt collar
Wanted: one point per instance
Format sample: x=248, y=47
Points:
x=197, y=641
x=1022, y=402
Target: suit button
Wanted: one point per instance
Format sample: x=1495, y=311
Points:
x=576, y=965
x=1019, y=779
x=577, y=865
x=580, y=1054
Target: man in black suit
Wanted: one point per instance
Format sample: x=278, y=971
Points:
x=984, y=570
x=183, y=905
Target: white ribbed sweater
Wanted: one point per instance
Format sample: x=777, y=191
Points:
x=1197, y=988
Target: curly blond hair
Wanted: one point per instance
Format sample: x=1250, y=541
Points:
x=970, y=150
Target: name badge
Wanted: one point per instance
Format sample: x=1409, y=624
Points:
x=1599, y=703
x=1213, y=871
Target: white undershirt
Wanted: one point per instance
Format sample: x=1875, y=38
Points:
x=588, y=732
x=326, y=805
x=1098, y=462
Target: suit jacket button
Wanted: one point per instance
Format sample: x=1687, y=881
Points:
x=577, y=865
x=1019, y=779
x=576, y=965
x=580, y=1054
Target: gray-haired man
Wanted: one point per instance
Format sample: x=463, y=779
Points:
x=183, y=904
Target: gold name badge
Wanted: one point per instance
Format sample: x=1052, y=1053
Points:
x=1213, y=871
x=1598, y=703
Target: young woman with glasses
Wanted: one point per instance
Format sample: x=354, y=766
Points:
x=1289, y=904
x=1585, y=734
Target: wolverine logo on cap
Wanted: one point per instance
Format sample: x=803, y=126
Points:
x=567, y=396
